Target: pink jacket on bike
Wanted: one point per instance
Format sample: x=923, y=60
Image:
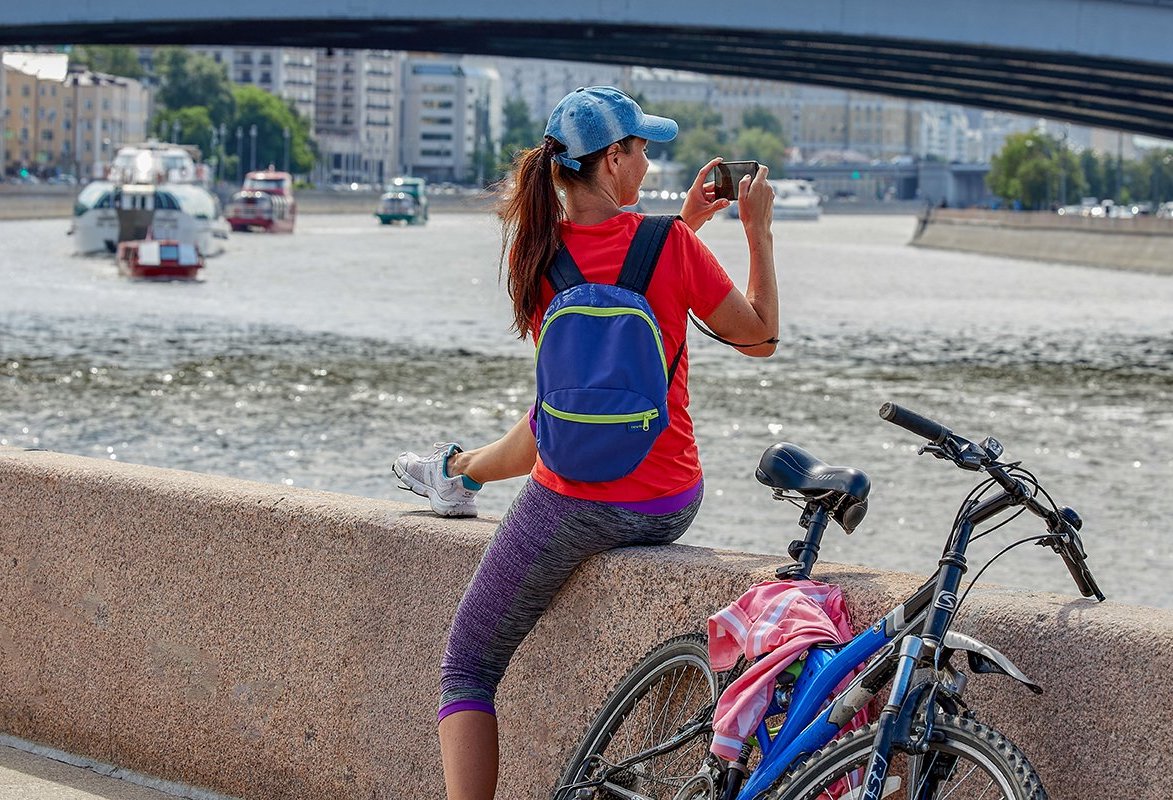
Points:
x=772, y=625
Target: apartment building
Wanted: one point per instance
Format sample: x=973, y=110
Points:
x=287, y=72
x=355, y=104
x=69, y=121
x=451, y=111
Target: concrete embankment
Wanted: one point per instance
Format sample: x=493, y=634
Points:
x=266, y=642
x=1139, y=243
x=45, y=202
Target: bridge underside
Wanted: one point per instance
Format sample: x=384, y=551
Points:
x=1119, y=94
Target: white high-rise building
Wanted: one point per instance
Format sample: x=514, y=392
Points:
x=452, y=112
x=355, y=115
x=287, y=72
x=944, y=133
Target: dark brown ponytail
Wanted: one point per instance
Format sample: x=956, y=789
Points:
x=531, y=213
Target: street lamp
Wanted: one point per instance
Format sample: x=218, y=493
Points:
x=252, y=158
x=285, y=135
x=215, y=155
x=239, y=154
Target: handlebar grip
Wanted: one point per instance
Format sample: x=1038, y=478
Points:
x=934, y=431
x=1081, y=574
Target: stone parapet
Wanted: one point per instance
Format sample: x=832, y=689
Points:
x=1143, y=244
x=267, y=642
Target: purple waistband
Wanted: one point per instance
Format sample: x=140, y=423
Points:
x=665, y=505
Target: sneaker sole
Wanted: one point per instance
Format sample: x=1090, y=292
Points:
x=439, y=505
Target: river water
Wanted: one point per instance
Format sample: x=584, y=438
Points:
x=313, y=359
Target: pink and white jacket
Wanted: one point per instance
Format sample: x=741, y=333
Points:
x=776, y=622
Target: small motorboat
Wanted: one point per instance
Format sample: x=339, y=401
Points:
x=265, y=202
x=159, y=259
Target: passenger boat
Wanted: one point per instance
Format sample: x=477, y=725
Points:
x=152, y=186
x=159, y=259
x=265, y=202
x=406, y=201
x=794, y=198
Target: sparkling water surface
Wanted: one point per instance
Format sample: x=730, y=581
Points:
x=312, y=359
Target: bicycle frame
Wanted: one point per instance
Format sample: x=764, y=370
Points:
x=929, y=610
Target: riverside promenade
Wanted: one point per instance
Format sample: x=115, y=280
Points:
x=31, y=776
x=262, y=641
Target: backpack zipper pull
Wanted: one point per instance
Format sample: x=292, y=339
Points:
x=648, y=421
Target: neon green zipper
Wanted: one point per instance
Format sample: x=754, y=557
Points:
x=645, y=417
x=591, y=311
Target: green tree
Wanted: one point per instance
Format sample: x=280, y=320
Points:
x=695, y=148
x=1036, y=170
x=758, y=117
x=1159, y=167
x=757, y=144
x=520, y=132
x=191, y=125
x=111, y=59
x=192, y=79
x=690, y=117
x=1094, y=173
x=272, y=116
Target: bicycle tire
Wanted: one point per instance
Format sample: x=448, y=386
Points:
x=681, y=663
x=988, y=750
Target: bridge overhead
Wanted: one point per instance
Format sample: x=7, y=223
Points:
x=1107, y=63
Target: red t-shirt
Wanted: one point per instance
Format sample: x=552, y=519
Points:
x=687, y=276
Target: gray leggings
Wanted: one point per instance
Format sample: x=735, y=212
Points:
x=540, y=542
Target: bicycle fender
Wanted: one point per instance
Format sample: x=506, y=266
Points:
x=986, y=659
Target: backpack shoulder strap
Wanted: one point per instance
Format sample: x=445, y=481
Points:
x=646, y=246
x=563, y=273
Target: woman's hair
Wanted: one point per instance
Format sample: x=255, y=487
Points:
x=530, y=217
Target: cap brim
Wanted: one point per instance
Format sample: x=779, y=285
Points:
x=657, y=129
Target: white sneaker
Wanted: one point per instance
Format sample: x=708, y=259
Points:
x=428, y=477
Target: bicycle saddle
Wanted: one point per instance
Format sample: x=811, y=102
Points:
x=788, y=466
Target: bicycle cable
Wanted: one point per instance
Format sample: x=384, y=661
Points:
x=1036, y=538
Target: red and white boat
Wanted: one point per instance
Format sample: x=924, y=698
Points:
x=265, y=202
x=159, y=259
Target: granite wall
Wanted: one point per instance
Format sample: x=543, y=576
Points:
x=267, y=642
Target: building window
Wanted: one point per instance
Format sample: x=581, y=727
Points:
x=246, y=76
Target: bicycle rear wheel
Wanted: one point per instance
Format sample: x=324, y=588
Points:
x=670, y=687
x=969, y=761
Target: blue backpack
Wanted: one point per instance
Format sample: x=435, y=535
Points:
x=601, y=370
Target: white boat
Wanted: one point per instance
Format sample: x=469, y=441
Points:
x=152, y=190
x=794, y=198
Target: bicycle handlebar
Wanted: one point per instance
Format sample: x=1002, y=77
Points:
x=932, y=430
x=1064, y=536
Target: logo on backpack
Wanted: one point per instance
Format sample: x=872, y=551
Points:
x=602, y=374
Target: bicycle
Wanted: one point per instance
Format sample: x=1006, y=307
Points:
x=650, y=740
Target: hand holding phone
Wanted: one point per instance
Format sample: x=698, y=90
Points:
x=728, y=174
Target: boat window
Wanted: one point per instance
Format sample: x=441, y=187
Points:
x=169, y=252
x=188, y=255
x=165, y=202
x=264, y=183
x=148, y=254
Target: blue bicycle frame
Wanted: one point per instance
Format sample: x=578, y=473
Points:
x=803, y=732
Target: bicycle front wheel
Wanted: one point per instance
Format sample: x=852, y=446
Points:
x=967, y=761
x=671, y=687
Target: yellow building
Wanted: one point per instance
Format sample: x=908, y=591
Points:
x=61, y=121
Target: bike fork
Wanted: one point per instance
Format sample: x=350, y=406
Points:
x=910, y=652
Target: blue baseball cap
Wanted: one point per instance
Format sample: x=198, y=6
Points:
x=592, y=117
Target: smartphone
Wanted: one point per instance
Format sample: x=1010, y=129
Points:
x=728, y=174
